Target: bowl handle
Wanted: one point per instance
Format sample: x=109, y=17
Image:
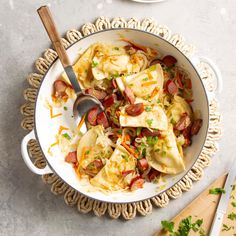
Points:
x=215, y=69
x=26, y=157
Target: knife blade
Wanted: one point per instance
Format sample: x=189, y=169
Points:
x=223, y=203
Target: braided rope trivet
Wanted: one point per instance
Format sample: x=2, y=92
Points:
x=72, y=197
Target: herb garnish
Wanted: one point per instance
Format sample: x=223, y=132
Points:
x=65, y=108
x=152, y=140
x=152, y=68
x=184, y=228
x=233, y=187
x=172, y=121
x=138, y=131
x=148, y=109
x=87, y=152
x=216, y=191
x=119, y=131
x=67, y=136
x=167, y=226
x=149, y=122
x=125, y=157
x=145, y=79
x=94, y=64
x=226, y=227
x=116, y=48
x=233, y=204
x=232, y=216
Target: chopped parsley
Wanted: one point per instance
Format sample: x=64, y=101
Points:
x=125, y=157
x=232, y=196
x=233, y=186
x=94, y=64
x=158, y=101
x=164, y=153
x=148, y=109
x=232, y=216
x=116, y=48
x=226, y=227
x=216, y=191
x=119, y=131
x=152, y=140
x=131, y=85
x=138, y=131
x=149, y=122
x=145, y=79
x=184, y=228
x=172, y=121
x=233, y=204
x=152, y=68
x=65, y=108
x=167, y=226
x=142, y=149
x=67, y=136
x=87, y=152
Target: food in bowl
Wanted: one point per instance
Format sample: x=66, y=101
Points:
x=148, y=120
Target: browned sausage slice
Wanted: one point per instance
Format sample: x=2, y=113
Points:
x=171, y=87
x=129, y=95
x=96, y=93
x=197, y=124
x=135, y=109
x=92, y=115
x=169, y=60
x=147, y=132
x=183, y=123
x=71, y=157
x=102, y=120
x=142, y=164
x=109, y=101
x=59, y=87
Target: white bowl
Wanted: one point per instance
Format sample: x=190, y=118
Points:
x=46, y=128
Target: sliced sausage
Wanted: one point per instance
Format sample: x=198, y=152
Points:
x=187, y=142
x=59, y=87
x=187, y=132
x=197, y=124
x=171, y=87
x=153, y=174
x=183, y=122
x=179, y=79
x=71, y=157
x=94, y=167
x=96, y=93
x=147, y=132
x=169, y=60
x=114, y=84
x=129, y=95
x=127, y=172
x=135, y=109
x=109, y=101
x=156, y=61
x=92, y=115
x=142, y=164
x=102, y=120
x=188, y=83
x=136, y=183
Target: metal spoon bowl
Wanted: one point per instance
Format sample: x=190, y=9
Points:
x=84, y=102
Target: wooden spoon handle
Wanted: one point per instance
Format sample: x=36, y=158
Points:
x=49, y=24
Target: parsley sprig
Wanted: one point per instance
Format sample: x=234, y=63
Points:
x=184, y=228
x=217, y=191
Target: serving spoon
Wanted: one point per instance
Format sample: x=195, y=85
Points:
x=84, y=102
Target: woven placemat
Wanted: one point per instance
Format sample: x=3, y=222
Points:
x=71, y=196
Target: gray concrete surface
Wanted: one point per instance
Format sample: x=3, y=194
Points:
x=27, y=207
